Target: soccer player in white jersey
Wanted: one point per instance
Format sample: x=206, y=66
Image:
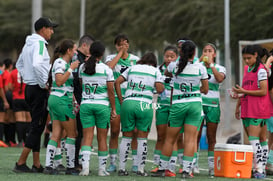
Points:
x=162, y=113
x=136, y=109
x=186, y=108
x=211, y=101
x=60, y=107
x=97, y=91
x=119, y=62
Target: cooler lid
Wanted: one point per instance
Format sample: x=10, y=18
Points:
x=232, y=147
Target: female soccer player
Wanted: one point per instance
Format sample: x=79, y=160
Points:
x=60, y=107
x=98, y=90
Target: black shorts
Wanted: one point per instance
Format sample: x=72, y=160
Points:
x=2, y=108
x=9, y=99
x=20, y=105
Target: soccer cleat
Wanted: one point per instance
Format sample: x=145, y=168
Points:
x=71, y=171
x=50, y=171
x=21, y=168
x=103, y=173
x=35, y=169
x=134, y=168
x=12, y=144
x=123, y=173
x=112, y=168
x=180, y=170
x=211, y=172
x=159, y=173
x=154, y=168
x=186, y=175
x=196, y=169
x=258, y=175
x=143, y=174
x=61, y=168
x=169, y=173
x=3, y=144
x=84, y=172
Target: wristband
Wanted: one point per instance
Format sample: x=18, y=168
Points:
x=211, y=65
x=70, y=70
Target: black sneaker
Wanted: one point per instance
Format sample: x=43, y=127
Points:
x=35, y=169
x=50, y=171
x=186, y=175
x=158, y=173
x=123, y=173
x=21, y=168
x=71, y=171
x=61, y=168
x=143, y=174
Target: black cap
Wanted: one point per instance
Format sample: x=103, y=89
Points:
x=44, y=22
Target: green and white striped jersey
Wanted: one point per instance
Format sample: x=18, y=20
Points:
x=186, y=85
x=212, y=98
x=141, y=82
x=94, y=87
x=121, y=66
x=60, y=66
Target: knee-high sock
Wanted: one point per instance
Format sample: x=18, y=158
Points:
x=142, y=151
x=70, y=152
x=124, y=148
x=86, y=152
x=50, y=153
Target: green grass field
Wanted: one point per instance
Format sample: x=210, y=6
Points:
x=9, y=156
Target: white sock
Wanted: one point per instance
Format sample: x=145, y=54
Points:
x=141, y=153
x=124, y=148
x=180, y=156
x=102, y=159
x=172, y=164
x=265, y=153
x=211, y=162
x=58, y=157
x=156, y=159
x=187, y=164
x=50, y=153
x=85, y=159
x=164, y=162
x=257, y=151
x=70, y=152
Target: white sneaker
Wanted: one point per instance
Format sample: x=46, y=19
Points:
x=103, y=172
x=84, y=172
x=196, y=169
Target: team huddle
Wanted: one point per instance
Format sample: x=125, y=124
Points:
x=118, y=95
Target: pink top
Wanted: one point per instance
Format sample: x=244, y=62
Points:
x=257, y=107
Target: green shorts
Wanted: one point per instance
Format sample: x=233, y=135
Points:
x=212, y=114
x=162, y=114
x=136, y=114
x=95, y=115
x=269, y=123
x=61, y=108
x=185, y=113
x=255, y=122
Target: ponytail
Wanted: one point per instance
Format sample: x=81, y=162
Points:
x=96, y=50
x=187, y=52
x=90, y=65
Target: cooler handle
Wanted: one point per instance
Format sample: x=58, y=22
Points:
x=238, y=160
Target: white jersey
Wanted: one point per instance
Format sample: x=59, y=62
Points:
x=141, y=82
x=186, y=85
x=121, y=66
x=212, y=98
x=60, y=66
x=94, y=87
